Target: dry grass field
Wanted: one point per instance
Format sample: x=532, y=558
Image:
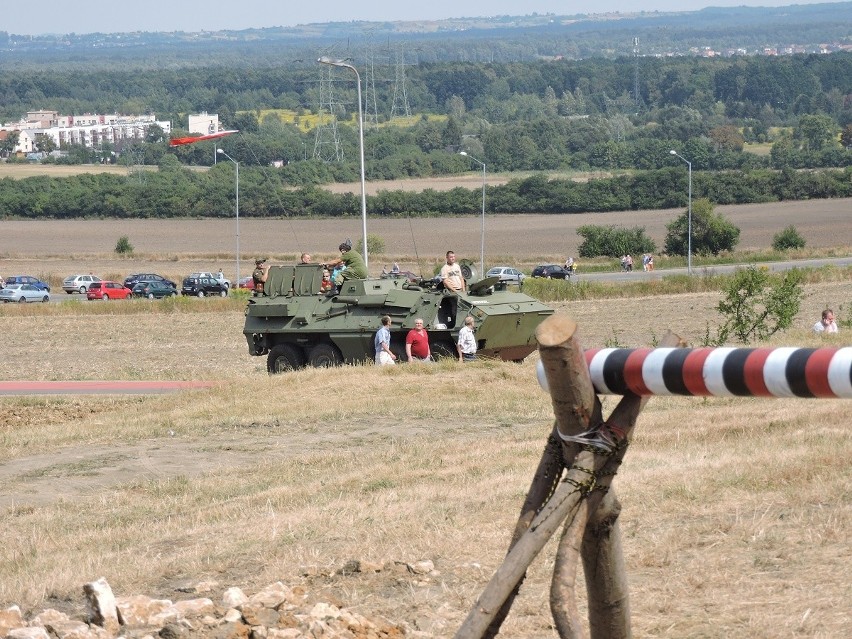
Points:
x=736, y=511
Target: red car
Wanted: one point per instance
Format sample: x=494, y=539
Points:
x=107, y=290
x=246, y=282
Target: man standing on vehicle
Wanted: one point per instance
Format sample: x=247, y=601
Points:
x=451, y=275
x=417, y=343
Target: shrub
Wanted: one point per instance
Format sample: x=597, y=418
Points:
x=711, y=233
x=611, y=241
x=755, y=306
x=123, y=246
x=789, y=238
x=375, y=245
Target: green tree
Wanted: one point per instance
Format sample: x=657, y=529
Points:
x=815, y=131
x=123, y=246
x=756, y=305
x=789, y=238
x=375, y=244
x=711, y=233
x=612, y=241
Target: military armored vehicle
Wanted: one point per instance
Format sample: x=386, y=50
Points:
x=296, y=326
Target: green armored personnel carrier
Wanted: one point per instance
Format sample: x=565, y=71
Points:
x=294, y=326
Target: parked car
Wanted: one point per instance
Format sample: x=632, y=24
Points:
x=79, y=283
x=201, y=286
x=246, y=282
x=214, y=276
x=408, y=275
x=28, y=279
x=506, y=274
x=154, y=289
x=106, y=290
x=551, y=272
x=132, y=280
x=23, y=293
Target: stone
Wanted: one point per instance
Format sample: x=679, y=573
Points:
x=11, y=618
x=233, y=597
x=69, y=629
x=194, y=607
x=422, y=567
x=324, y=611
x=48, y=616
x=273, y=595
x=172, y=631
x=138, y=610
x=100, y=605
x=28, y=633
x=233, y=615
x=256, y=615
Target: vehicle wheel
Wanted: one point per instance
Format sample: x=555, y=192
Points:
x=223, y=292
x=550, y=277
x=82, y=290
x=200, y=293
x=105, y=297
x=567, y=276
x=173, y=294
x=150, y=296
x=325, y=355
x=46, y=298
x=283, y=358
x=22, y=300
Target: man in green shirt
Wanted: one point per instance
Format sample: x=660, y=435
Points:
x=355, y=269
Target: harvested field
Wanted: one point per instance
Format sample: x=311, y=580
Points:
x=61, y=247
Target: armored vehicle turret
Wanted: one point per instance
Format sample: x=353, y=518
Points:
x=294, y=325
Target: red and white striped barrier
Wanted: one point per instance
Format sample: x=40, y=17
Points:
x=720, y=372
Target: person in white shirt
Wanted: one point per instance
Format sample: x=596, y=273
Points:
x=451, y=274
x=467, y=342
x=826, y=324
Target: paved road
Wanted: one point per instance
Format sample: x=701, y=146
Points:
x=713, y=270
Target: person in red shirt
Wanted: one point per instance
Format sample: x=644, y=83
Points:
x=417, y=343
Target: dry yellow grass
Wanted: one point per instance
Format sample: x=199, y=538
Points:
x=736, y=511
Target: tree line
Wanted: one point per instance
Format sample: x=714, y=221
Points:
x=177, y=192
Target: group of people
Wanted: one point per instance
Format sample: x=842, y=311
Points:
x=647, y=262
x=627, y=263
x=417, y=347
x=349, y=266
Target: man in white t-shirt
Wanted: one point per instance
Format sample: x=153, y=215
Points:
x=826, y=324
x=451, y=275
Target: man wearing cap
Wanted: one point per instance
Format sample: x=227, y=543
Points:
x=355, y=269
x=259, y=275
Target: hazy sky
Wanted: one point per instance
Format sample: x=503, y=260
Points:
x=62, y=16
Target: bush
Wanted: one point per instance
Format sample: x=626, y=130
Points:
x=375, y=245
x=123, y=246
x=611, y=241
x=789, y=238
x=711, y=233
x=755, y=306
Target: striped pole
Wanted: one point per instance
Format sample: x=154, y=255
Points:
x=720, y=372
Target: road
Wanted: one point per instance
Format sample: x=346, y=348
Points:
x=639, y=274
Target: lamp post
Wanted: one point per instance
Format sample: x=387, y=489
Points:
x=236, y=208
x=482, y=231
x=346, y=65
x=688, y=214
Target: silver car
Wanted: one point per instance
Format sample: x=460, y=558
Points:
x=506, y=274
x=78, y=283
x=23, y=293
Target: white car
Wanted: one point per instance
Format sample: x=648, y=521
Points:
x=78, y=283
x=23, y=293
x=506, y=274
x=214, y=276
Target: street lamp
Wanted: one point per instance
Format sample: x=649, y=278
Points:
x=236, y=208
x=688, y=214
x=482, y=232
x=346, y=65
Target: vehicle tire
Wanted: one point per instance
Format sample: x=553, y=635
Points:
x=200, y=293
x=223, y=293
x=283, y=358
x=325, y=355
x=82, y=290
x=567, y=276
x=105, y=297
x=150, y=296
x=46, y=298
x=173, y=294
x=22, y=300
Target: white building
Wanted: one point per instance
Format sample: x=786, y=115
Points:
x=89, y=130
